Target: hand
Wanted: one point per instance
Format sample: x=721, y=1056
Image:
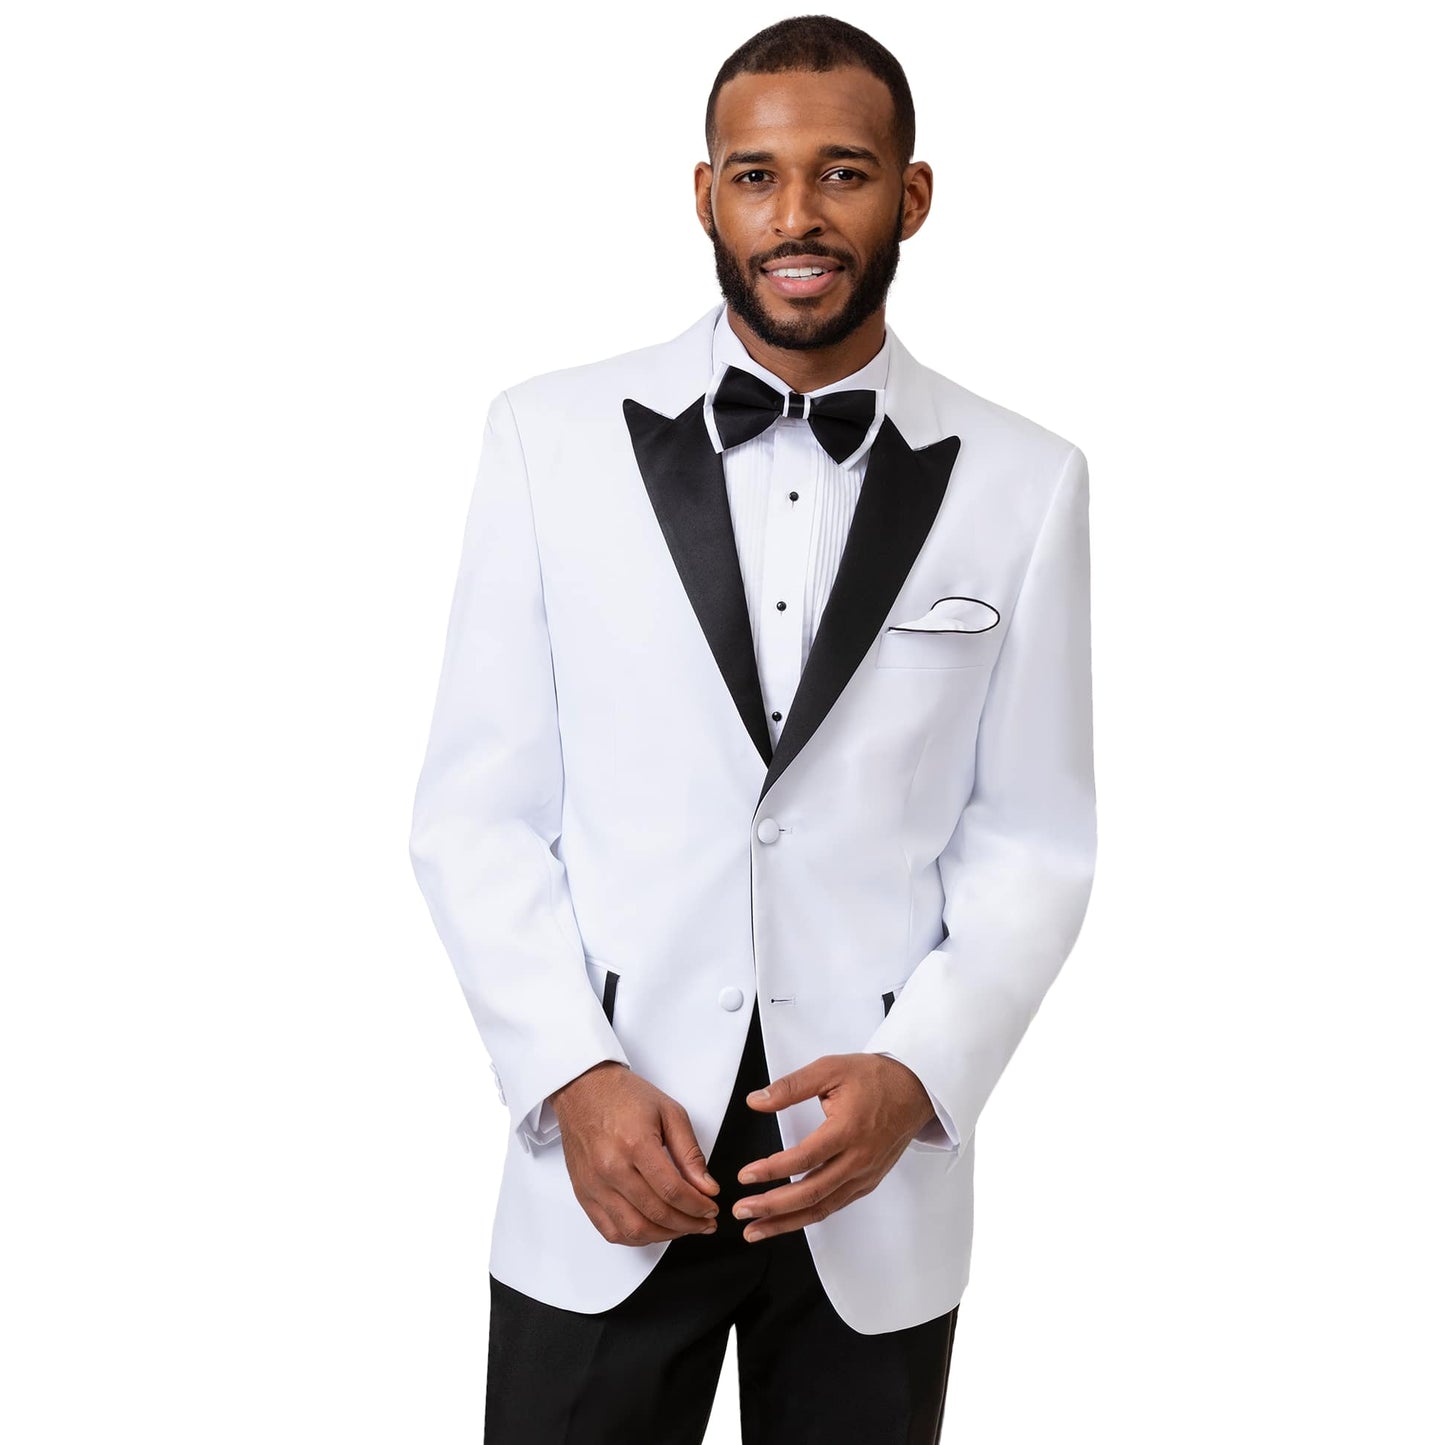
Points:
x=874, y=1104
x=617, y=1131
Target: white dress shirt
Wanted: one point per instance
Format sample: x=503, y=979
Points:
x=791, y=506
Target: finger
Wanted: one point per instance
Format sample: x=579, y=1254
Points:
x=826, y=1142
x=805, y=1083
x=682, y=1145
x=621, y=1223
x=785, y=1223
x=803, y=1193
x=652, y=1184
x=657, y=1175
x=631, y=1203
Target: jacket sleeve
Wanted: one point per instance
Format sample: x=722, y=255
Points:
x=489, y=802
x=1018, y=869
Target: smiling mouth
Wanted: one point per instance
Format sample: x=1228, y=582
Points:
x=802, y=278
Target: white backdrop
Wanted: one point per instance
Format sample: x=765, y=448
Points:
x=265, y=265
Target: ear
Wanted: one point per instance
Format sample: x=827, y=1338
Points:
x=917, y=196
x=702, y=187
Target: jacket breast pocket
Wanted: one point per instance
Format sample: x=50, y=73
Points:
x=604, y=983
x=899, y=647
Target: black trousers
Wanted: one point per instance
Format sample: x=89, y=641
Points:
x=645, y=1372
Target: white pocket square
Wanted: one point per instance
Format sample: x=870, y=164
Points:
x=952, y=614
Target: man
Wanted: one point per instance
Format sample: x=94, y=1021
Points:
x=762, y=755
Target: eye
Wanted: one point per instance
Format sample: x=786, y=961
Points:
x=846, y=171
x=746, y=174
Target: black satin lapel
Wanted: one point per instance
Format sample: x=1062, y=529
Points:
x=900, y=496
x=685, y=480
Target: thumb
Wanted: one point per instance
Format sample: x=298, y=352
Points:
x=686, y=1152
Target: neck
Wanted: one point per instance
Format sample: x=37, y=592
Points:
x=808, y=370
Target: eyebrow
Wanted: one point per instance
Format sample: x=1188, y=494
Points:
x=829, y=153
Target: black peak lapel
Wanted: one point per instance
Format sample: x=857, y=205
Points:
x=685, y=480
x=897, y=503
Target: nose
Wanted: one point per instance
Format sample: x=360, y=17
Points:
x=799, y=208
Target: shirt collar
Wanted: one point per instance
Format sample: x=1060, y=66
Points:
x=728, y=350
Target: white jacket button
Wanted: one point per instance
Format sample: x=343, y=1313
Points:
x=731, y=999
x=768, y=831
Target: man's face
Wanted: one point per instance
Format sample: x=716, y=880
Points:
x=806, y=175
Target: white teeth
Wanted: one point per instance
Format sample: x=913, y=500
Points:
x=799, y=272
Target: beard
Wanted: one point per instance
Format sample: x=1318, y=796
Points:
x=803, y=333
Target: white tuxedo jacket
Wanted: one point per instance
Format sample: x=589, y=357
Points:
x=617, y=860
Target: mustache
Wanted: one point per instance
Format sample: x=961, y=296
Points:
x=784, y=253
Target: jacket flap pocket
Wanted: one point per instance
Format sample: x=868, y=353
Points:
x=604, y=982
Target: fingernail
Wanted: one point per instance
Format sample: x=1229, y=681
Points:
x=743, y=1211
x=758, y=1094
x=708, y=1179
x=746, y=1177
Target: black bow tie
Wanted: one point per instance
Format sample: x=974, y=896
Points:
x=745, y=406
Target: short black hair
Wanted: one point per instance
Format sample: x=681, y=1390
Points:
x=817, y=43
